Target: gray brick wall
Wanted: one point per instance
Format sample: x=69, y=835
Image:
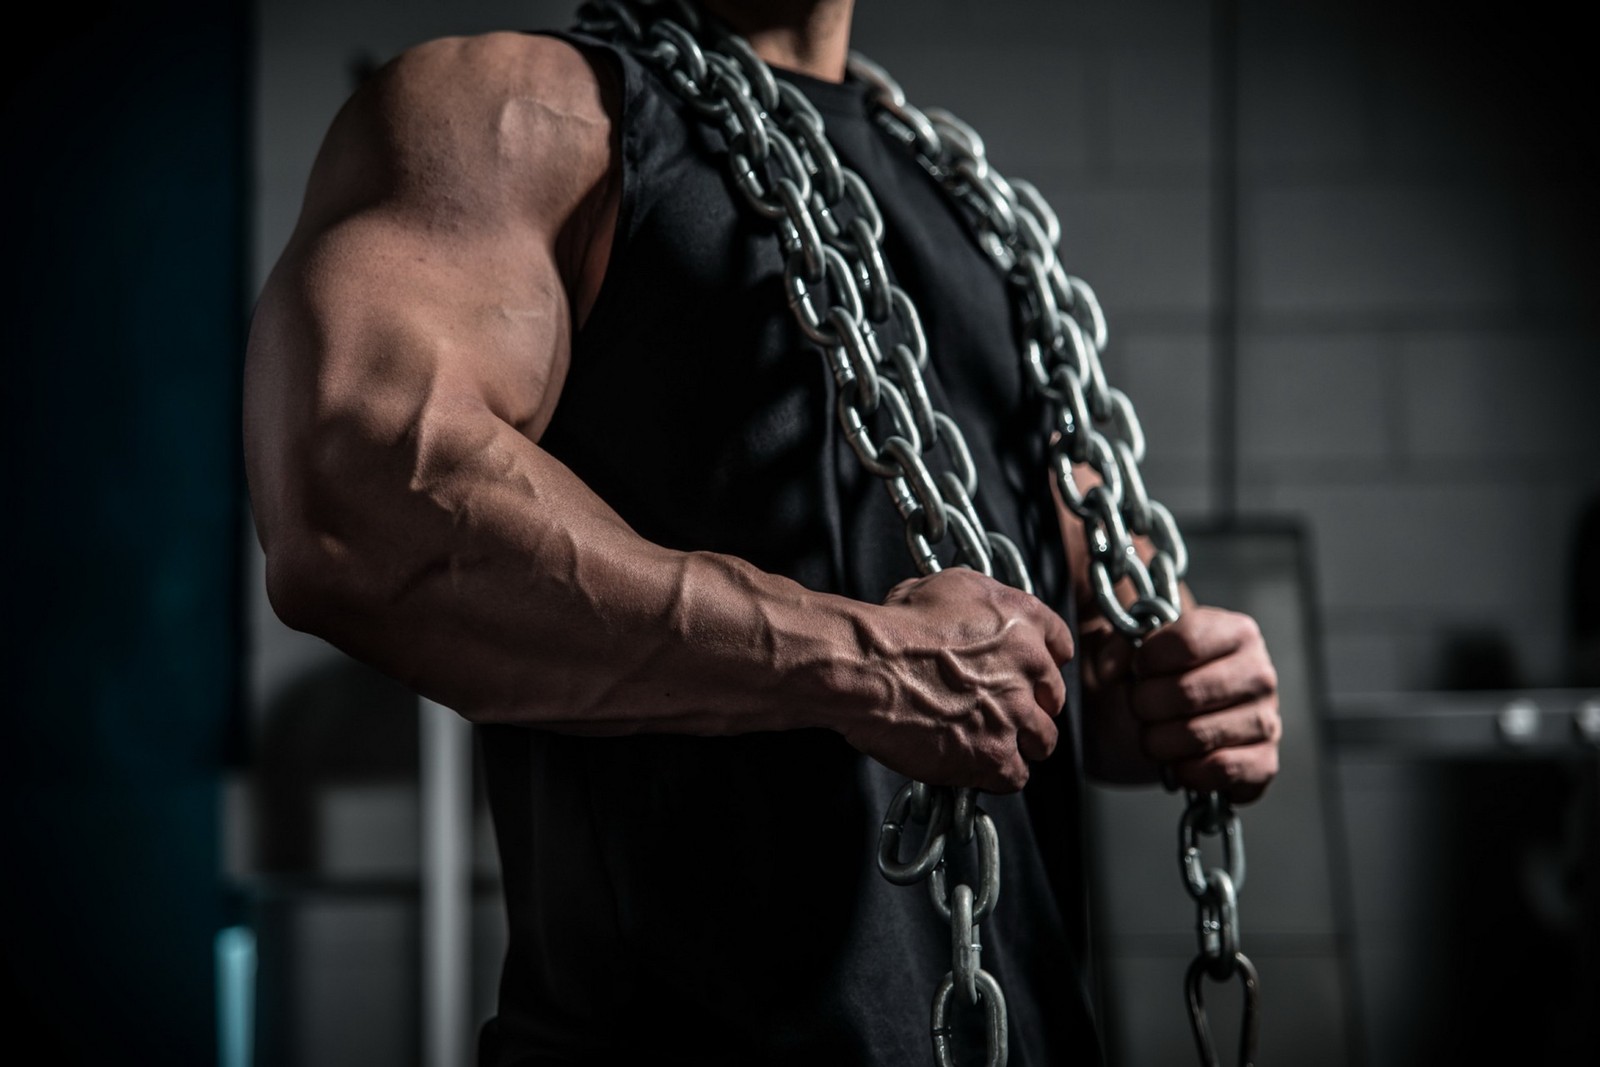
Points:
x=1416, y=362
x=1415, y=352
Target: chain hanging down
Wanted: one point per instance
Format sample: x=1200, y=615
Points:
x=869, y=331
x=1062, y=331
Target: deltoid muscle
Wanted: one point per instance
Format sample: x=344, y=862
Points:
x=868, y=330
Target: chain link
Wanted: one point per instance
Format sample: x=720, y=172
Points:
x=1062, y=332
x=1216, y=894
x=871, y=337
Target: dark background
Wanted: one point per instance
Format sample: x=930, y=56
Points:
x=1348, y=252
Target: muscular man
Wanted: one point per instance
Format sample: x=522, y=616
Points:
x=529, y=426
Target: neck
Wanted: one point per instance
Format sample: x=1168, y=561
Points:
x=808, y=36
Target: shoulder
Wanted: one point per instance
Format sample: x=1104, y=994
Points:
x=491, y=127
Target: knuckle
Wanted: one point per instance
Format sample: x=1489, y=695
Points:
x=1248, y=628
x=1266, y=679
x=1016, y=775
x=1269, y=724
x=1228, y=767
x=1046, y=665
x=1050, y=736
x=1237, y=626
x=1024, y=607
x=943, y=583
x=1188, y=642
x=997, y=589
x=1192, y=691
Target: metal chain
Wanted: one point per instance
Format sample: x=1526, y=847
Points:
x=870, y=333
x=1215, y=891
x=1062, y=331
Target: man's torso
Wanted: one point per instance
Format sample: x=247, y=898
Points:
x=716, y=900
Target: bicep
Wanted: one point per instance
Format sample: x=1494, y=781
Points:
x=425, y=262
x=366, y=328
x=389, y=373
x=394, y=315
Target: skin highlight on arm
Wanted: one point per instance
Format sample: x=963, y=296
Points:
x=406, y=356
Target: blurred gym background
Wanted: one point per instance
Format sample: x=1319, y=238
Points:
x=1348, y=252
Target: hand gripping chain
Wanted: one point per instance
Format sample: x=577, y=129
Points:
x=831, y=233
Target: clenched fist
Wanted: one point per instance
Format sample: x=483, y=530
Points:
x=968, y=673
x=1198, y=697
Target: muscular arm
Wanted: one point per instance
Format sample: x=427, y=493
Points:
x=407, y=354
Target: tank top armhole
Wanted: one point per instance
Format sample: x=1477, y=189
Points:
x=629, y=78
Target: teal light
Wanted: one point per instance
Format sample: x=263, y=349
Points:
x=236, y=996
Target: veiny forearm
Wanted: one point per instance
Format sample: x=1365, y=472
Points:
x=393, y=400
x=405, y=357
x=474, y=566
x=409, y=517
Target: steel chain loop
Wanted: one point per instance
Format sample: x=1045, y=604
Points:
x=839, y=291
x=1061, y=333
x=870, y=333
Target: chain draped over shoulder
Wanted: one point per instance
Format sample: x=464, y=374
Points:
x=870, y=334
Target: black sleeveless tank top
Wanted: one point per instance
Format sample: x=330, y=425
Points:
x=691, y=900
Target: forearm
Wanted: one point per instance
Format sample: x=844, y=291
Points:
x=481, y=571
x=406, y=355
